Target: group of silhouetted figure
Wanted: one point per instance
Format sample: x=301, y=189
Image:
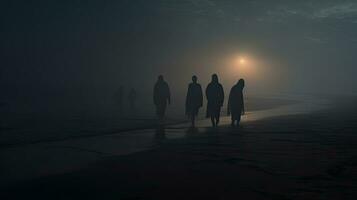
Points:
x=194, y=100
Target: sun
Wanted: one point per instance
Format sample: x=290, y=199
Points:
x=242, y=61
x=242, y=65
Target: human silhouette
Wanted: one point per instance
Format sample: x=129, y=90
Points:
x=161, y=97
x=194, y=100
x=236, y=102
x=215, y=98
x=118, y=96
x=132, y=98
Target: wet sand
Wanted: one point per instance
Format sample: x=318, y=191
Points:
x=23, y=128
x=298, y=156
x=66, y=152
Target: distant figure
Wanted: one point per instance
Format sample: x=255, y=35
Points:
x=194, y=100
x=236, y=103
x=132, y=98
x=161, y=97
x=118, y=96
x=215, y=98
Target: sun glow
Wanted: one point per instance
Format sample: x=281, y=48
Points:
x=256, y=70
x=242, y=66
x=242, y=61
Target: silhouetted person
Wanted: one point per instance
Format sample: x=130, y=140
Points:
x=215, y=98
x=132, y=98
x=161, y=97
x=236, y=102
x=194, y=99
x=118, y=96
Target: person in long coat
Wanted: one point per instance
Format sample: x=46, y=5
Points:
x=215, y=98
x=194, y=100
x=161, y=97
x=236, y=102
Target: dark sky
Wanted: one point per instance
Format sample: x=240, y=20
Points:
x=92, y=46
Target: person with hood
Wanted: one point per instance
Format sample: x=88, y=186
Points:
x=161, y=97
x=194, y=99
x=236, y=102
x=215, y=98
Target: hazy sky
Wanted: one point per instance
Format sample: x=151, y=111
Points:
x=295, y=46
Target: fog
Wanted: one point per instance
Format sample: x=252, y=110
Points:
x=62, y=56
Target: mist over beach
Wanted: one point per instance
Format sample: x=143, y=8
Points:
x=181, y=99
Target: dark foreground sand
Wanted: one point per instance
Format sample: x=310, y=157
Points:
x=311, y=156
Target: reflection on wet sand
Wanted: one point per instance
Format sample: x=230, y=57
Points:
x=160, y=133
x=275, y=158
x=124, y=143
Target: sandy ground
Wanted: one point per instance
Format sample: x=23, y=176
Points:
x=300, y=156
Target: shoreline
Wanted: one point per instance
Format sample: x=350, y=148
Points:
x=253, y=106
x=290, y=157
x=90, y=152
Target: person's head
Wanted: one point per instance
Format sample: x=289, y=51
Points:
x=214, y=78
x=160, y=78
x=194, y=79
x=241, y=83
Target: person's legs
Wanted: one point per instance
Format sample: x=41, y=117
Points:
x=218, y=114
x=160, y=109
x=159, y=116
x=193, y=120
x=238, y=119
x=232, y=120
x=163, y=112
x=210, y=113
x=213, y=121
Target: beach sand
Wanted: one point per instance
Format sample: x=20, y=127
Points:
x=298, y=156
